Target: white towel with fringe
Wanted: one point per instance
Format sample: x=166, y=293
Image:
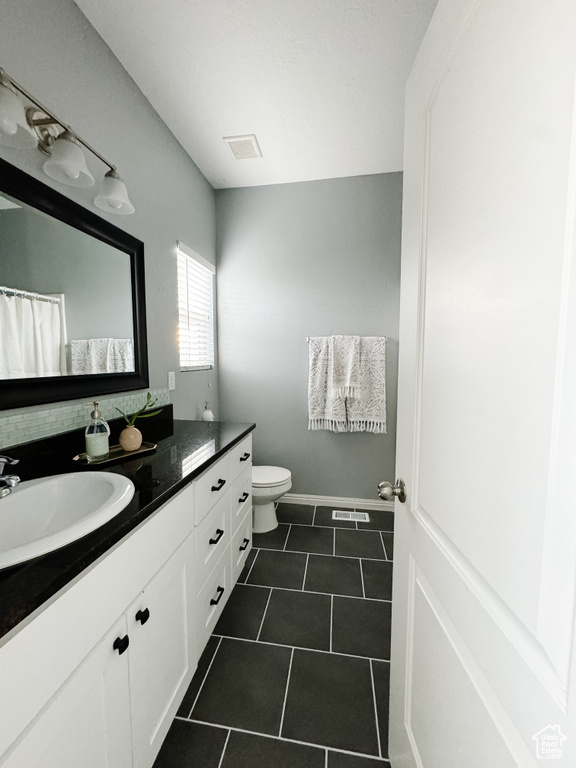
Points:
x=347, y=383
x=102, y=356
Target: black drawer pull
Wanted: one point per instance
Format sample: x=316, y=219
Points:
x=219, y=534
x=220, y=591
x=143, y=616
x=121, y=644
x=245, y=542
x=245, y=457
x=243, y=498
x=221, y=484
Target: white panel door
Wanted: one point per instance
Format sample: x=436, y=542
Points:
x=482, y=671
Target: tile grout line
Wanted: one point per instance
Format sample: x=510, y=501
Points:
x=383, y=545
x=334, y=527
x=314, y=514
x=362, y=579
x=288, y=536
x=264, y=615
x=286, y=693
x=224, y=750
x=288, y=740
x=301, y=648
x=326, y=758
x=204, y=679
x=331, y=619
x=334, y=543
x=375, y=709
x=252, y=566
x=305, y=572
x=315, y=592
x=325, y=554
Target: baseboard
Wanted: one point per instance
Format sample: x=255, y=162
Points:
x=338, y=502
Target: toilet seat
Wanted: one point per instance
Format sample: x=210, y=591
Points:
x=269, y=477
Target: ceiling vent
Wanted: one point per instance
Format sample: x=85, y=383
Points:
x=243, y=147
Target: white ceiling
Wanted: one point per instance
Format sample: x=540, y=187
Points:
x=320, y=82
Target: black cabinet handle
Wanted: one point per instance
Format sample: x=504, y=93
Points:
x=121, y=644
x=221, y=484
x=220, y=591
x=243, y=498
x=245, y=457
x=245, y=542
x=219, y=534
x=143, y=616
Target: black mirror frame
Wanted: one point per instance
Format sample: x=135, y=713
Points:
x=18, y=393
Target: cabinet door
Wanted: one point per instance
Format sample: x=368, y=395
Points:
x=212, y=598
x=162, y=651
x=240, y=498
x=87, y=723
x=241, y=545
x=212, y=538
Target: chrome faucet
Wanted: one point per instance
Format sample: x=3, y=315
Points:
x=7, y=482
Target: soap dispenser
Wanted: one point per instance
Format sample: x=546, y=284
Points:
x=207, y=414
x=97, y=433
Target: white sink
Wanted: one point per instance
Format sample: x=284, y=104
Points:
x=45, y=514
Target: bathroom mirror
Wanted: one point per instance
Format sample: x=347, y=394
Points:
x=72, y=299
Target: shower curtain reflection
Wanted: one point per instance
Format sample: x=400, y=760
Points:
x=33, y=339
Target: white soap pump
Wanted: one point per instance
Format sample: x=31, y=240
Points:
x=207, y=414
x=97, y=434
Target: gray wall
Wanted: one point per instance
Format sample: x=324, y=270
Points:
x=41, y=254
x=50, y=48
x=297, y=260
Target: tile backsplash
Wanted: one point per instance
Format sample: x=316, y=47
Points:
x=21, y=425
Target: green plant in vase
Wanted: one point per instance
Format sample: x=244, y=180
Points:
x=131, y=438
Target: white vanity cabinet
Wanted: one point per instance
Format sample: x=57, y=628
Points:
x=223, y=503
x=94, y=679
x=162, y=652
x=117, y=705
x=92, y=708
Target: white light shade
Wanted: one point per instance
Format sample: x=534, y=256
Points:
x=113, y=197
x=67, y=163
x=14, y=130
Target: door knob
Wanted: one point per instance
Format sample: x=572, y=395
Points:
x=387, y=491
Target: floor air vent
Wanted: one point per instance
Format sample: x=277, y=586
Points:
x=359, y=517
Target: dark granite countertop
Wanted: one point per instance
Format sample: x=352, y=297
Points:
x=180, y=457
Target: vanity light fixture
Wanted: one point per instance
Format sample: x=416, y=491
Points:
x=14, y=129
x=38, y=127
x=67, y=162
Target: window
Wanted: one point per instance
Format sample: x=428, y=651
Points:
x=195, y=310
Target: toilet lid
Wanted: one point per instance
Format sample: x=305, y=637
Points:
x=266, y=477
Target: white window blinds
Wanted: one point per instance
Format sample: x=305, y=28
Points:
x=195, y=310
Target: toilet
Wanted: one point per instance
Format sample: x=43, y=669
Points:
x=268, y=485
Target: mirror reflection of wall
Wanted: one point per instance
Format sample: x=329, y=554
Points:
x=40, y=254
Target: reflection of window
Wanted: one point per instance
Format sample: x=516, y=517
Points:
x=195, y=310
x=198, y=457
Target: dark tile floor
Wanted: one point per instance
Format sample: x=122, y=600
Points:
x=296, y=674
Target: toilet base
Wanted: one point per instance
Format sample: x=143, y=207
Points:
x=264, y=517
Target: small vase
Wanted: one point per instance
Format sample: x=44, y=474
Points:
x=130, y=438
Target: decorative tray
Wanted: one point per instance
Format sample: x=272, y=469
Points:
x=115, y=454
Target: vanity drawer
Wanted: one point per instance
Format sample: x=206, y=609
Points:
x=241, y=457
x=241, y=545
x=212, y=538
x=212, y=599
x=210, y=487
x=240, y=498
